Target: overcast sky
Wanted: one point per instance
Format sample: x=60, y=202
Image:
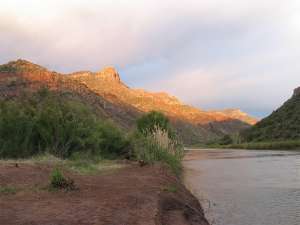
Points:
x=209, y=53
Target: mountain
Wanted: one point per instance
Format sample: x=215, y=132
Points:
x=238, y=114
x=108, y=95
x=283, y=124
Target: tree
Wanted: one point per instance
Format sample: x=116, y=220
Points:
x=153, y=120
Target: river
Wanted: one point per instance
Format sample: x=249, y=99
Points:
x=245, y=187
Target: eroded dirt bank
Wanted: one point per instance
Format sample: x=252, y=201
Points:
x=128, y=196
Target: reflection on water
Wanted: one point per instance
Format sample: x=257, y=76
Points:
x=246, y=187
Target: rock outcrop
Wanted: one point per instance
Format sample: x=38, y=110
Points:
x=297, y=91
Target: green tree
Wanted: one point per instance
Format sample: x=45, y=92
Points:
x=51, y=122
x=148, y=123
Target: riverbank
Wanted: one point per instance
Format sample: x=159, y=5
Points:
x=127, y=194
x=272, y=145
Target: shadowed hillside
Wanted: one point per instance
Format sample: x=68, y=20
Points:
x=283, y=124
x=111, y=98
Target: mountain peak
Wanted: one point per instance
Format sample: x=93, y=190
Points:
x=110, y=74
x=20, y=65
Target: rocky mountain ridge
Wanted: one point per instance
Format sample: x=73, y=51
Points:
x=147, y=101
x=110, y=96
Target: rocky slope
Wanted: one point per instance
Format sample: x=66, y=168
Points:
x=237, y=114
x=108, y=83
x=113, y=99
x=283, y=124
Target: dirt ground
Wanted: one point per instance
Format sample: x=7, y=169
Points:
x=132, y=195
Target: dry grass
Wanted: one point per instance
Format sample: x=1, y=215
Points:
x=162, y=139
x=159, y=147
x=79, y=164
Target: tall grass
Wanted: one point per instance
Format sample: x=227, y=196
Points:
x=158, y=146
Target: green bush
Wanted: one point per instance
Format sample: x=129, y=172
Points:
x=8, y=190
x=149, y=122
x=155, y=141
x=58, y=181
x=158, y=147
x=226, y=140
x=55, y=123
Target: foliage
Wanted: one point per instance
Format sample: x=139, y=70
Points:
x=58, y=181
x=148, y=123
x=170, y=188
x=158, y=147
x=226, y=140
x=55, y=123
x=8, y=190
x=155, y=141
x=283, y=124
x=7, y=69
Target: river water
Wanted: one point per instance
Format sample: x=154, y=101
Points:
x=246, y=187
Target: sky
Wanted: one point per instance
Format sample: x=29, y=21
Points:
x=212, y=54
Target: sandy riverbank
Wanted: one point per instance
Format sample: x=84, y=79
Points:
x=131, y=195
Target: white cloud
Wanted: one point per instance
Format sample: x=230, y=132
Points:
x=205, y=51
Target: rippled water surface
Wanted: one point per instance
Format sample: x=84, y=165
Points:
x=243, y=187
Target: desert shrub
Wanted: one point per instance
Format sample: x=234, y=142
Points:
x=170, y=188
x=226, y=140
x=8, y=190
x=112, y=142
x=58, y=181
x=50, y=122
x=148, y=123
x=158, y=147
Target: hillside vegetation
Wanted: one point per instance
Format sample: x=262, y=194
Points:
x=55, y=123
x=58, y=123
x=283, y=124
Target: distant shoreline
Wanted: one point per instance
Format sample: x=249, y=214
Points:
x=271, y=145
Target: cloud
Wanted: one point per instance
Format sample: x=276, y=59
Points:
x=215, y=53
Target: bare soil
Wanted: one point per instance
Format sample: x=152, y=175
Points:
x=129, y=196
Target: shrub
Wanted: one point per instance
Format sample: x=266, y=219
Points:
x=112, y=142
x=158, y=147
x=58, y=181
x=226, y=140
x=170, y=188
x=54, y=123
x=8, y=190
x=149, y=122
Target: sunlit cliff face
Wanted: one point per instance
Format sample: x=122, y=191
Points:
x=107, y=83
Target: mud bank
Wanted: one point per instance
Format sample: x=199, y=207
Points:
x=132, y=195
